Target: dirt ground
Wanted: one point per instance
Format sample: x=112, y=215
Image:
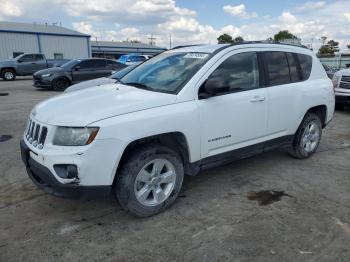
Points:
x=213, y=220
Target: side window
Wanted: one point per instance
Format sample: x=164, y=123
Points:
x=239, y=72
x=293, y=68
x=99, y=63
x=87, y=64
x=277, y=68
x=27, y=58
x=306, y=65
x=38, y=57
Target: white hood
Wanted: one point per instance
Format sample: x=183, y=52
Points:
x=83, y=107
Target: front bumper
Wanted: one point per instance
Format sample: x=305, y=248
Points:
x=41, y=82
x=43, y=178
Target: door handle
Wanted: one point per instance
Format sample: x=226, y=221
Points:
x=257, y=99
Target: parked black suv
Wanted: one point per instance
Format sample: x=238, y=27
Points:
x=75, y=71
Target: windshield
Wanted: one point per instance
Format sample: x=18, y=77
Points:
x=121, y=73
x=167, y=72
x=70, y=63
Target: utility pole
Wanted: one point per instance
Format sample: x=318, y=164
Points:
x=170, y=41
x=152, y=40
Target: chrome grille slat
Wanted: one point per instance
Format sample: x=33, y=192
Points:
x=345, y=79
x=36, y=134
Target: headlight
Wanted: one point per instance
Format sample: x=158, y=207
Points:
x=46, y=75
x=335, y=80
x=74, y=136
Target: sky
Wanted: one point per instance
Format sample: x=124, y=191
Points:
x=189, y=21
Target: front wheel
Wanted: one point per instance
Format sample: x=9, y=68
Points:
x=8, y=75
x=307, y=137
x=60, y=84
x=150, y=180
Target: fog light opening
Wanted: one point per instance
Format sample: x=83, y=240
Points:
x=66, y=171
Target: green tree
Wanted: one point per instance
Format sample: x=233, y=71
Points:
x=283, y=35
x=330, y=48
x=225, y=39
x=238, y=39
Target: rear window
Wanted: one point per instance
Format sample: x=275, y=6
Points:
x=305, y=65
x=277, y=68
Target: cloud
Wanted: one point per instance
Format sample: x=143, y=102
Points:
x=9, y=9
x=128, y=12
x=86, y=28
x=287, y=18
x=138, y=19
x=310, y=6
x=347, y=16
x=239, y=11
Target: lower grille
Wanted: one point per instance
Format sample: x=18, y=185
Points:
x=344, y=85
x=36, y=134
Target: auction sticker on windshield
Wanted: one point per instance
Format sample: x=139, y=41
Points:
x=196, y=55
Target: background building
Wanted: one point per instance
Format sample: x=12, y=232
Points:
x=55, y=42
x=116, y=49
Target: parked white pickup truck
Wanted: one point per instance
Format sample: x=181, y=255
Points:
x=182, y=111
x=341, y=82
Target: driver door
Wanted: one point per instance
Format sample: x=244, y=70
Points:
x=237, y=117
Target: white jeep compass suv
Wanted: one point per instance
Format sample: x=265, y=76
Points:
x=182, y=111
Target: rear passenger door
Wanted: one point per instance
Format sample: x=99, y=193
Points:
x=100, y=69
x=39, y=62
x=283, y=76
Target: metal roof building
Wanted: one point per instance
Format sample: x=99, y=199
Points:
x=55, y=42
x=116, y=49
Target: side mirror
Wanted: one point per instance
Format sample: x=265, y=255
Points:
x=77, y=68
x=19, y=61
x=212, y=87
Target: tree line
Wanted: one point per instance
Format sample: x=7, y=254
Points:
x=327, y=48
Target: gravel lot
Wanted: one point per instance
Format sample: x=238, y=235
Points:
x=212, y=220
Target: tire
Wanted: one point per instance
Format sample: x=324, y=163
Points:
x=307, y=138
x=8, y=74
x=129, y=188
x=339, y=106
x=60, y=84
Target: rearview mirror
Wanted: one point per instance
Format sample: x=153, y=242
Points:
x=212, y=87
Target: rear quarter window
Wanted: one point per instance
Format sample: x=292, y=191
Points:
x=305, y=65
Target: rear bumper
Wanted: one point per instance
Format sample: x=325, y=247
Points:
x=46, y=181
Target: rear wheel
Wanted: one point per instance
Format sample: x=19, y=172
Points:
x=60, y=84
x=307, y=137
x=150, y=180
x=8, y=74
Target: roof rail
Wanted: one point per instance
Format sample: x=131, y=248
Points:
x=268, y=42
x=182, y=46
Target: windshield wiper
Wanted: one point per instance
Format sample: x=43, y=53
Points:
x=139, y=85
